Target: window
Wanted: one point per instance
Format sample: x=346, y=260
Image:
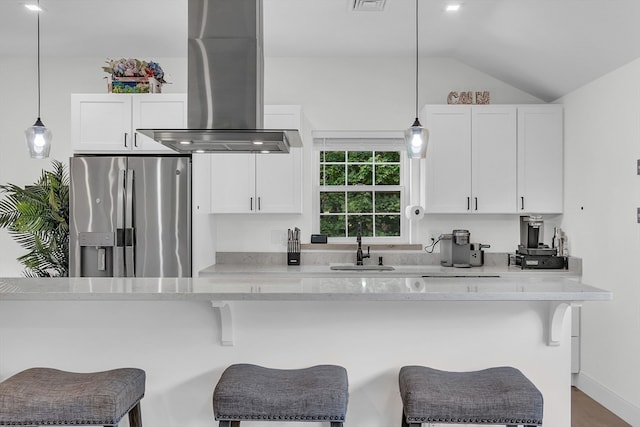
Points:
x=360, y=184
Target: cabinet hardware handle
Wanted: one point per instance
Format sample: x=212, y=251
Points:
x=521, y=203
x=476, y=200
x=259, y=208
x=251, y=203
x=468, y=203
x=126, y=145
x=135, y=140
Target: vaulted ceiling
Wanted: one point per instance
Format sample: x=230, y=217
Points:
x=545, y=47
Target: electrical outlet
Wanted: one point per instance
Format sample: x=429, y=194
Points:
x=433, y=235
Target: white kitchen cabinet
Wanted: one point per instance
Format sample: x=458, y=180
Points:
x=106, y=123
x=233, y=178
x=260, y=183
x=493, y=159
x=448, y=164
x=471, y=159
x=540, y=159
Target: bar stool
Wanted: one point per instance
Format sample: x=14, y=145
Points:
x=44, y=396
x=253, y=393
x=500, y=395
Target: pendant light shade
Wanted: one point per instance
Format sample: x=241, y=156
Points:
x=416, y=137
x=38, y=136
x=38, y=140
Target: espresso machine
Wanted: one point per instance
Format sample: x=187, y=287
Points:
x=532, y=252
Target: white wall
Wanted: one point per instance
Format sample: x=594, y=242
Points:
x=602, y=192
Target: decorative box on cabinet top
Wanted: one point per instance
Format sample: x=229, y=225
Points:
x=133, y=85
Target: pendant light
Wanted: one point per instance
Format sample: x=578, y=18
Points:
x=38, y=136
x=416, y=137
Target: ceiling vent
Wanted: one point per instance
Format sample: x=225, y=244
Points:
x=368, y=5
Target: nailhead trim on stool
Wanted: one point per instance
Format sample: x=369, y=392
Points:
x=500, y=395
x=45, y=396
x=250, y=393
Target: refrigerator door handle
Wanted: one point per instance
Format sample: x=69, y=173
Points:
x=120, y=202
x=129, y=232
x=118, y=258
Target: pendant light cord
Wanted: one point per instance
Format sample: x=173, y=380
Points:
x=416, y=59
x=38, y=59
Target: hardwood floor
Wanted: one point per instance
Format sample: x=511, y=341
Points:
x=586, y=412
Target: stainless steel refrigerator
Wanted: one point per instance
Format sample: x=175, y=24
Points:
x=130, y=216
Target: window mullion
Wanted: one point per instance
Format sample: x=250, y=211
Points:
x=360, y=165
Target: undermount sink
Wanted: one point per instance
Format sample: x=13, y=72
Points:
x=353, y=267
x=460, y=276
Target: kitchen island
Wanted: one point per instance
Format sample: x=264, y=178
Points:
x=370, y=325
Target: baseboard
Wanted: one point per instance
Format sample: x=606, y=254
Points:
x=607, y=398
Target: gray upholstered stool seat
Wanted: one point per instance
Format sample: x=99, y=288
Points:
x=44, y=396
x=492, y=396
x=250, y=393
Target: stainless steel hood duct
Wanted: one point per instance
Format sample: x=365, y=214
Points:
x=225, y=84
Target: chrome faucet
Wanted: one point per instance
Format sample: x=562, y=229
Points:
x=359, y=255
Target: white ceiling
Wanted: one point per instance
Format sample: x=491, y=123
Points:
x=545, y=47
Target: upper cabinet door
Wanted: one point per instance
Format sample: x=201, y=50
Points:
x=164, y=111
x=448, y=163
x=279, y=176
x=279, y=182
x=540, y=159
x=233, y=179
x=493, y=159
x=101, y=122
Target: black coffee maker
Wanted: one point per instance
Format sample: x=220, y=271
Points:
x=532, y=252
x=532, y=235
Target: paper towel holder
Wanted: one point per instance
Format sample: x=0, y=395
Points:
x=414, y=212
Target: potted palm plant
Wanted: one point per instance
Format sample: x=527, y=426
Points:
x=37, y=217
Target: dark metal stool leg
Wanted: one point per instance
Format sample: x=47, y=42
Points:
x=403, y=423
x=135, y=417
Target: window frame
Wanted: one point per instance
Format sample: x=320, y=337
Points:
x=362, y=141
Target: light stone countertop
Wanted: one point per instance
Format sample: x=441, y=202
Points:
x=405, y=264
x=398, y=271
x=222, y=290
x=252, y=287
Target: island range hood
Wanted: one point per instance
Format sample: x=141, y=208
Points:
x=225, y=84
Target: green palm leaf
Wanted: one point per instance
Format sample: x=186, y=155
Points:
x=37, y=217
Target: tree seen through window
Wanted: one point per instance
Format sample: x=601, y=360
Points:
x=353, y=191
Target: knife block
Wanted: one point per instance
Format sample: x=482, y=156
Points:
x=293, y=258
